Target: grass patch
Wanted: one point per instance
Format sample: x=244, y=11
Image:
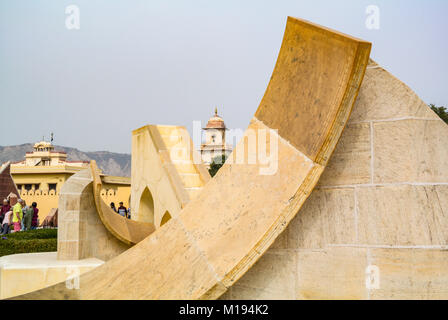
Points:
x=40, y=240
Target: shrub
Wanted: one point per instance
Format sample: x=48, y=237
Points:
x=41, y=240
x=34, y=234
x=442, y=112
x=216, y=164
x=8, y=247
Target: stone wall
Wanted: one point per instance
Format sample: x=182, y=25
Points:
x=81, y=234
x=164, y=175
x=376, y=227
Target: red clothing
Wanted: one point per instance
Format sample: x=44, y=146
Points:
x=35, y=217
x=5, y=209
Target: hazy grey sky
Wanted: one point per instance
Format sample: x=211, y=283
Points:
x=133, y=63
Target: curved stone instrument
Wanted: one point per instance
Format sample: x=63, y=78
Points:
x=128, y=231
x=221, y=233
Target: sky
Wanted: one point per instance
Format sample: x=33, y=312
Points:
x=135, y=62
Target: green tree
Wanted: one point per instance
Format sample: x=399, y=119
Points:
x=216, y=164
x=441, y=112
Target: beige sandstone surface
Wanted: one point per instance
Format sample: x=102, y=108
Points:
x=224, y=230
x=381, y=203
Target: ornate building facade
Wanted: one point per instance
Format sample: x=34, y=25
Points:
x=41, y=175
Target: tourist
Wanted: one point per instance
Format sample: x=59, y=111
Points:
x=24, y=209
x=112, y=206
x=122, y=210
x=6, y=222
x=28, y=217
x=129, y=213
x=5, y=208
x=17, y=215
x=35, y=220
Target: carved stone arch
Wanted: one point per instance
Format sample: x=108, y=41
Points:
x=146, y=207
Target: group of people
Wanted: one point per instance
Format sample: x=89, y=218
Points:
x=20, y=216
x=121, y=210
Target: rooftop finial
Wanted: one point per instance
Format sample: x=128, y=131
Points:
x=216, y=111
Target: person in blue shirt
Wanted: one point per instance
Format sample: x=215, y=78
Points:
x=122, y=211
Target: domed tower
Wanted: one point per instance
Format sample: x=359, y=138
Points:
x=215, y=139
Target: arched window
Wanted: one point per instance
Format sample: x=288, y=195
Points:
x=146, y=207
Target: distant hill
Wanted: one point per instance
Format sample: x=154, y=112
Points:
x=115, y=164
